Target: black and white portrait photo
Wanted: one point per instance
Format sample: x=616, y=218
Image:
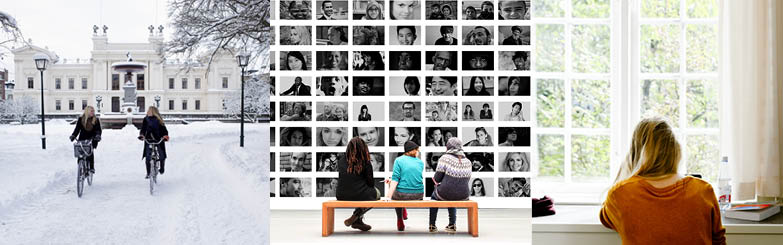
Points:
x=331, y=10
x=295, y=162
x=404, y=60
x=478, y=85
x=368, y=61
x=478, y=35
x=514, y=60
x=482, y=187
x=478, y=10
x=326, y=187
x=442, y=111
x=295, y=111
x=373, y=136
x=331, y=136
x=431, y=161
x=405, y=35
x=478, y=60
x=514, y=86
x=438, y=136
x=331, y=86
x=405, y=9
x=513, y=9
x=331, y=111
x=441, y=35
x=368, y=111
x=327, y=161
x=514, y=111
x=478, y=111
x=295, y=187
x=442, y=86
x=441, y=60
x=368, y=10
x=332, y=60
x=405, y=111
x=272, y=136
x=368, y=86
x=515, y=162
x=477, y=136
x=295, y=35
x=295, y=136
x=514, y=187
x=271, y=86
x=295, y=86
x=399, y=135
x=404, y=86
x=272, y=187
x=331, y=35
x=514, y=35
x=514, y=136
x=296, y=10
x=368, y=35
x=377, y=161
x=482, y=161
x=295, y=60
x=441, y=10
x=272, y=161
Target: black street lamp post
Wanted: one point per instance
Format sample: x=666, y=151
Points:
x=98, y=99
x=41, y=61
x=242, y=59
x=157, y=102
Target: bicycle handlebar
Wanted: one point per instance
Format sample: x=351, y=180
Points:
x=153, y=143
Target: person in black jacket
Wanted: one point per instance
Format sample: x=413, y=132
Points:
x=298, y=88
x=355, y=181
x=88, y=127
x=153, y=128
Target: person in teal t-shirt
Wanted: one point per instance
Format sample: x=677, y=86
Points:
x=406, y=182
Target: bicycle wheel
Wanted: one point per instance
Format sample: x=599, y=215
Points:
x=80, y=179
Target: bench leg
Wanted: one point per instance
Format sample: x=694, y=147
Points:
x=473, y=221
x=327, y=221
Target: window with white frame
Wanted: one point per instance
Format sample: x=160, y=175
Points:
x=84, y=83
x=600, y=66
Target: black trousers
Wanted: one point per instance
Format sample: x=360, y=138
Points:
x=90, y=161
x=147, y=162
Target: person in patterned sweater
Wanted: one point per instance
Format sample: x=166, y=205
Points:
x=452, y=182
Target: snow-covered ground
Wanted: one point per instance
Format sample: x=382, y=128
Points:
x=213, y=191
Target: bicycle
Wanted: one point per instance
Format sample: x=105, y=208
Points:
x=155, y=163
x=82, y=150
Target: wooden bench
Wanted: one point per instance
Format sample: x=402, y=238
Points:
x=327, y=213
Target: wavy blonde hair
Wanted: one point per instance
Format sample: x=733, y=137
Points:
x=654, y=151
x=88, y=121
x=156, y=114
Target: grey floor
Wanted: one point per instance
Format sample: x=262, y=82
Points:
x=497, y=226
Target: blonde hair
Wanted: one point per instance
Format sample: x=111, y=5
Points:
x=654, y=151
x=156, y=114
x=86, y=117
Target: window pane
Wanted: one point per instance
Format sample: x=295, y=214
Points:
x=591, y=8
x=551, y=154
x=591, y=103
x=660, y=98
x=591, y=48
x=702, y=48
x=551, y=103
x=702, y=104
x=550, y=48
x=660, y=9
x=660, y=48
x=549, y=8
x=704, y=156
x=702, y=8
x=590, y=158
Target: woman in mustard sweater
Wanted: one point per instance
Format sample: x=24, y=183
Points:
x=651, y=204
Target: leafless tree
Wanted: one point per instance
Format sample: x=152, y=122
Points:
x=256, y=99
x=10, y=34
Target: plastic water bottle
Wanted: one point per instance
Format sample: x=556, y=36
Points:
x=724, y=185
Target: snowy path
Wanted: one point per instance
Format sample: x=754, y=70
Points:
x=212, y=192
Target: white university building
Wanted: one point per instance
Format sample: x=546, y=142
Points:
x=71, y=84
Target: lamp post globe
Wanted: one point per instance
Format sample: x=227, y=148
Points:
x=41, y=61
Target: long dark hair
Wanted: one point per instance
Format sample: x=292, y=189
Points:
x=473, y=191
x=298, y=55
x=357, y=155
x=472, y=89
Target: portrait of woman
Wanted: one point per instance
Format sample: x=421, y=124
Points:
x=364, y=114
x=295, y=136
x=295, y=61
x=435, y=137
x=295, y=35
x=516, y=162
x=332, y=136
x=477, y=87
x=404, y=9
x=482, y=138
x=468, y=114
x=477, y=188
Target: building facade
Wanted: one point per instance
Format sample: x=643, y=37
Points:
x=71, y=85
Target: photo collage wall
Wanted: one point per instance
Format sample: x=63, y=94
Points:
x=392, y=71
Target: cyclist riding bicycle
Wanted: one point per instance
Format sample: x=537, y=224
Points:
x=154, y=128
x=88, y=127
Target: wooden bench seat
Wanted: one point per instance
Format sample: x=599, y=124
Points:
x=327, y=212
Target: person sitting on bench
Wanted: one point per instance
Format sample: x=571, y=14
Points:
x=406, y=180
x=355, y=181
x=452, y=182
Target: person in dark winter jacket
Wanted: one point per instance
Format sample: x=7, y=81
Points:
x=88, y=127
x=452, y=182
x=154, y=129
x=355, y=181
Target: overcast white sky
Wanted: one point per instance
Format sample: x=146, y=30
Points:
x=66, y=26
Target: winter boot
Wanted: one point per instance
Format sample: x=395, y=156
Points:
x=359, y=224
x=400, y=225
